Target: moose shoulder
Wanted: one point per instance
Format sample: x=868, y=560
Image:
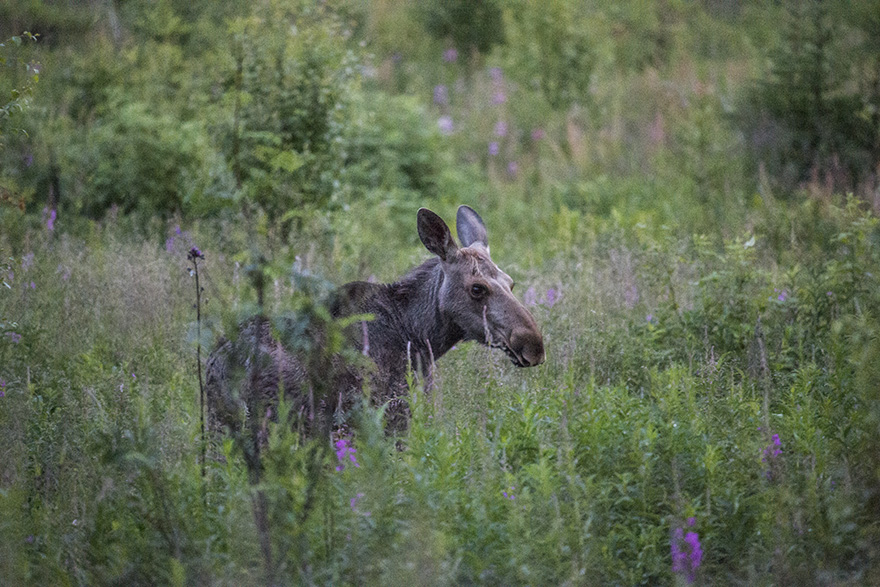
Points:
x=458, y=295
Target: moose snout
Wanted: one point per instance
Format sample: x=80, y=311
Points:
x=528, y=346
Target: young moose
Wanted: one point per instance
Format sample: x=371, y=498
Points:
x=459, y=294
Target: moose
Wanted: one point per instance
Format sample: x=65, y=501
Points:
x=457, y=295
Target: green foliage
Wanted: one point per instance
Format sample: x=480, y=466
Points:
x=549, y=47
x=136, y=160
x=471, y=25
x=293, y=78
x=580, y=468
x=15, y=98
x=712, y=343
x=815, y=115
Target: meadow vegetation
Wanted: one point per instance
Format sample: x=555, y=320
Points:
x=686, y=196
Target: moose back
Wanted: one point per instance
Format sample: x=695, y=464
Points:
x=457, y=295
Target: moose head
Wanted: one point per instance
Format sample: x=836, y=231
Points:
x=474, y=293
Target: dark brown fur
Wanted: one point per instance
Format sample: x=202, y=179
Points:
x=458, y=295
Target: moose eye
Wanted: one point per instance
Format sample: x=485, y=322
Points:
x=478, y=290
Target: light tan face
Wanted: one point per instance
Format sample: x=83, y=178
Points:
x=478, y=296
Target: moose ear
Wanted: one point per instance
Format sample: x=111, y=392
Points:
x=470, y=227
x=435, y=234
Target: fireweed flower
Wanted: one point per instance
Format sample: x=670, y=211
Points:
x=493, y=148
x=450, y=55
x=770, y=456
x=49, y=216
x=687, y=554
x=552, y=297
x=353, y=502
x=195, y=253
x=772, y=450
x=441, y=95
x=531, y=297
x=444, y=123
x=343, y=452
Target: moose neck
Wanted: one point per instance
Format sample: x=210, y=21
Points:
x=424, y=329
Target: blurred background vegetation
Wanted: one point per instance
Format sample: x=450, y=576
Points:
x=686, y=190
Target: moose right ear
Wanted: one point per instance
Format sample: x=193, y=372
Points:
x=435, y=234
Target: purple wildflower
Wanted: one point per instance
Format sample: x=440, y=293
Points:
x=441, y=95
x=512, y=168
x=27, y=261
x=772, y=450
x=770, y=456
x=496, y=74
x=14, y=337
x=649, y=318
x=538, y=134
x=450, y=55
x=33, y=285
x=531, y=297
x=691, y=521
x=195, y=253
x=49, y=216
x=552, y=297
x=501, y=128
x=493, y=148
x=510, y=495
x=444, y=123
x=499, y=97
x=343, y=451
x=353, y=503
x=687, y=554
x=2, y=388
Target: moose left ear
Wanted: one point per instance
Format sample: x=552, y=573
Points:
x=470, y=227
x=435, y=234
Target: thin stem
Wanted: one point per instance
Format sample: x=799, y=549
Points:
x=194, y=255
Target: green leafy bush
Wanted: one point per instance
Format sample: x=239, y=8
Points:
x=471, y=25
x=137, y=160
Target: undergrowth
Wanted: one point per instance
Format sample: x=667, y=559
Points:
x=688, y=389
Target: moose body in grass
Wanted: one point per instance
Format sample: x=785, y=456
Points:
x=458, y=295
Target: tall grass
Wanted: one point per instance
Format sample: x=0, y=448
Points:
x=686, y=390
x=709, y=411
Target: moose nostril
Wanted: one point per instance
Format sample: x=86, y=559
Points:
x=529, y=346
x=534, y=354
